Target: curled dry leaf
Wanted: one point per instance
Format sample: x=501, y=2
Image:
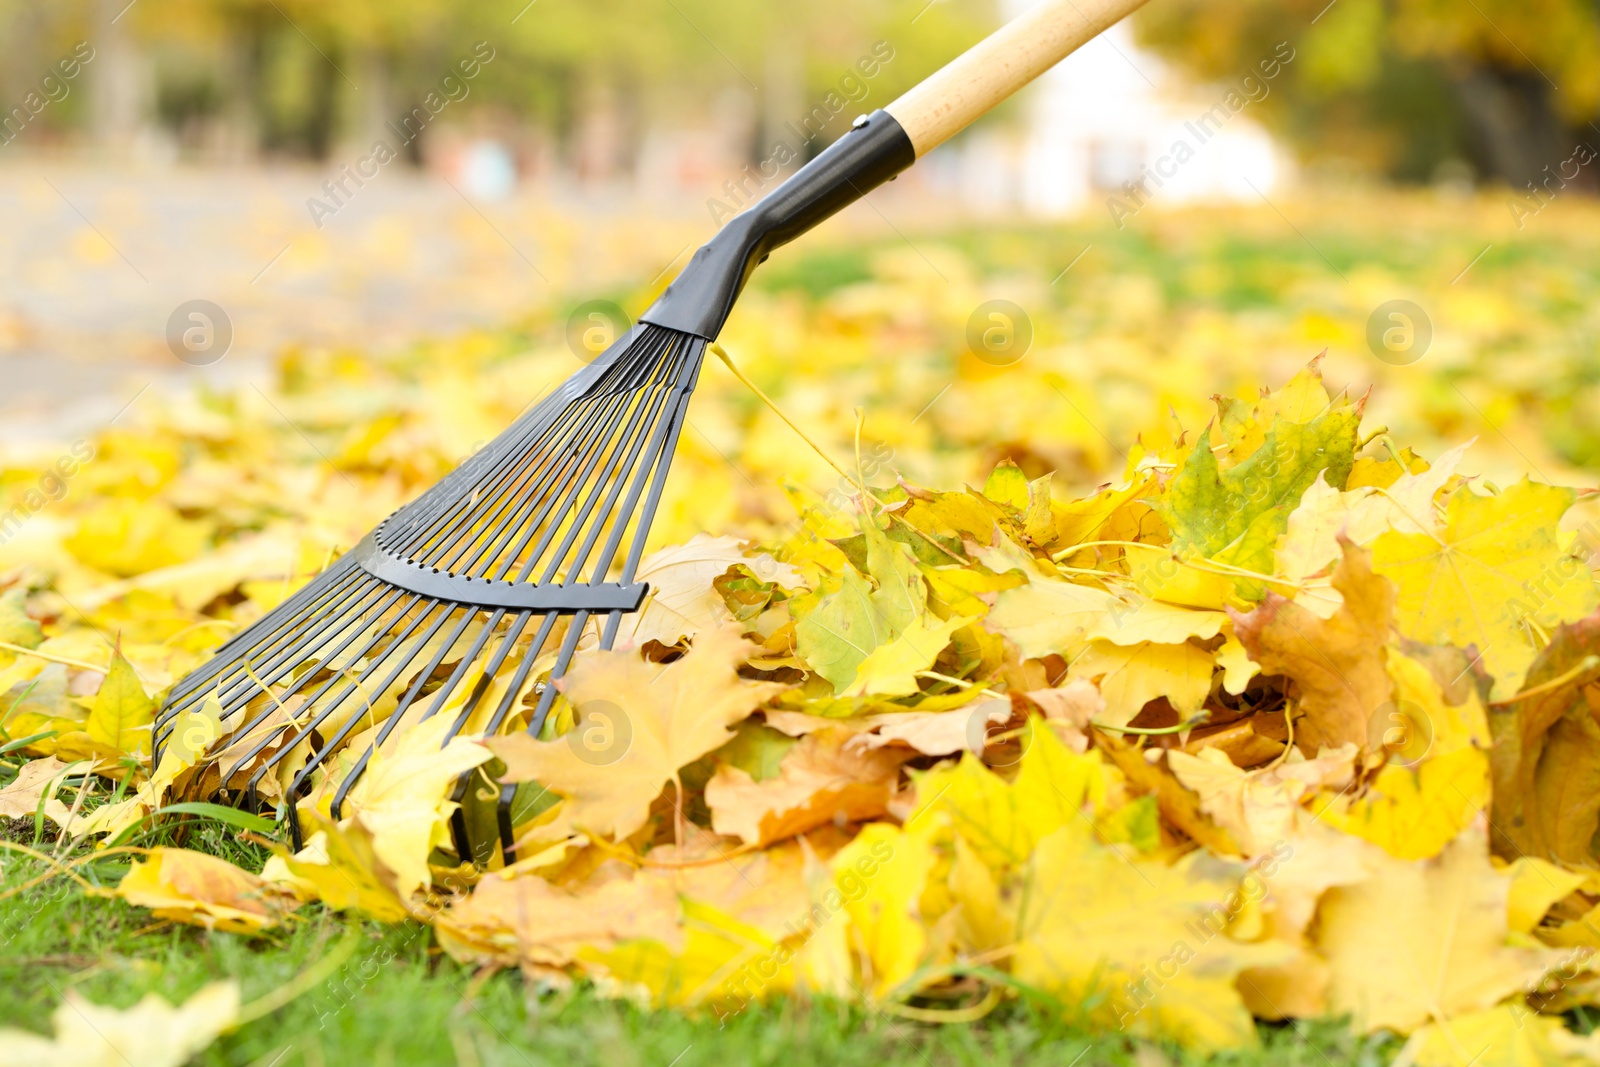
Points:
x=1337, y=664
x=823, y=779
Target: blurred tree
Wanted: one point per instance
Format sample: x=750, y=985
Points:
x=296, y=76
x=1401, y=86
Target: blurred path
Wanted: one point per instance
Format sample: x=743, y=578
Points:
x=94, y=264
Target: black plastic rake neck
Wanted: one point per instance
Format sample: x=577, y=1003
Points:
x=496, y=573
x=698, y=302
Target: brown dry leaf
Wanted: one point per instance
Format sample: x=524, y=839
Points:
x=1337, y=664
x=1070, y=709
x=202, y=890
x=20, y=799
x=672, y=714
x=1546, y=754
x=1179, y=805
x=527, y=920
x=1425, y=939
x=824, y=778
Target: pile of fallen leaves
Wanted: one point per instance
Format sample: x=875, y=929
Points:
x=1288, y=722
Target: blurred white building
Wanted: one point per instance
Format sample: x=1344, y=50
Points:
x=1114, y=124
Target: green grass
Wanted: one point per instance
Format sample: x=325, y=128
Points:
x=398, y=1000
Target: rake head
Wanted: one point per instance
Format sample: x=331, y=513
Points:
x=470, y=601
x=456, y=601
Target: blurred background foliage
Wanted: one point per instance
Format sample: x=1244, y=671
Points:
x=1392, y=88
x=1401, y=87
x=563, y=66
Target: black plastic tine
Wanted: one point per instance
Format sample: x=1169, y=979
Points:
x=310, y=707
x=566, y=447
x=505, y=513
x=287, y=639
x=547, y=700
x=276, y=701
x=675, y=407
x=658, y=428
x=596, y=487
x=229, y=686
x=443, y=540
x=519, y=679
x=561, y=499
x=242, y=688
x=404, y=704
x=509, y=448
x=442, y=695
x=354, y=685
x=291, y=608
x=528, y=527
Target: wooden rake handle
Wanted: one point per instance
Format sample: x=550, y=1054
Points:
x=971, y=84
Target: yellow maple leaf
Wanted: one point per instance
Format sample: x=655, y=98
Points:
x=119, y=721
x=1142, y=945
x=722, y=962
x=878, y=880
x=891, y=669
x=1131, y=677
x=152, y=1033
x=1046, y=616
x=1158, y=623
x=661, y=717
x=1424, y=940
x=339, y=867
x=1536, y=886
x=1508, y=1036
x=401, y=800
x=203, y=890
x=1002, y=820
x=1499, y=573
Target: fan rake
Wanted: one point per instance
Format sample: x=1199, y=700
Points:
x=472, y=599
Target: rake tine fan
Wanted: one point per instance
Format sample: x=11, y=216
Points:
x=478, y=592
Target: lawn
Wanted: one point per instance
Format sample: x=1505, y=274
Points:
x=396, y=1000
x=201, y=512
